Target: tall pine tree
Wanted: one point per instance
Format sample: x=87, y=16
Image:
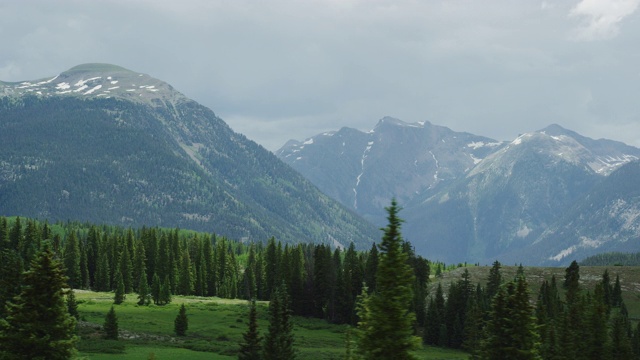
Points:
x=250, y=348
x=387, y=331
x=38, y=325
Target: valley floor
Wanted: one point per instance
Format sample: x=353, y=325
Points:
x=215, y=330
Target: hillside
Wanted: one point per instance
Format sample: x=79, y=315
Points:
x=100, y=143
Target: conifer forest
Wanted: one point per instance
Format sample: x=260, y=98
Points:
x=391, y=300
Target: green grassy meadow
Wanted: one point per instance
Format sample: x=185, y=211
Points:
x=215, y=330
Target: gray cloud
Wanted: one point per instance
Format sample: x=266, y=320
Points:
x=278, y=69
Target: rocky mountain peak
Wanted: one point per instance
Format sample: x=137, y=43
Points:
x=97, y=81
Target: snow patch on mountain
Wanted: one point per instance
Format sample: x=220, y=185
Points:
x=585, y=243
x=358, y=178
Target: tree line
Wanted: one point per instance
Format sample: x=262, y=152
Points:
x=154, y=264
x=381, y=292
x=501, y=321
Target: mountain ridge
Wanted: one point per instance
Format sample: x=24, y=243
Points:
x=506, y=196
x=144, y=154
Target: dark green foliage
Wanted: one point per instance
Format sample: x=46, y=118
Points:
x=494, y=281
x=386, y=326
x=511, y=329
x=435, y=319
x=72, y=261
x=620, y=339
x=278, y=343
x=119, y=295
x=371, y=268
x=10, y=277
x=186, y=280
x=181, y=323
x=110, y=326
x=38, y=324
x=126, y=267
x=597, y=344
x=144, y=292
x=251, y=348
x=616, y=293
x=612, y=259
x=72, y=305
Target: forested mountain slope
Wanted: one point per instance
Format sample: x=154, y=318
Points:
x=104, y=144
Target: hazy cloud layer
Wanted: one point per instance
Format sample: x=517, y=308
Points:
x=277, y=69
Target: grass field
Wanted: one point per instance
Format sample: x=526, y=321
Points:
x=216, y=325
x=215, y=330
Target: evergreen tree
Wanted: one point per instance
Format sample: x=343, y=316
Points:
x=15, y=234
x=72, y=305
x=387, y=331
x=37, y=324
x=85, y=276
x=139, y=264
x=371, y=268
x=272, y=264
x=616, y=293
x=144, y=292
x=185, y=280
x=181, y=323
x=4, y=234
x=111, y=325
x=435, y=318
x=156, y=289
x=30, y=241
x=72, y=261
x=511, y=329
x=249, y=286
x=119, y=295
x=596, y=321
x=279, y=340
x=103, y=271
x=126, y=267
x=620, y=342
x=165, y=291
x=572, y=331
x=494, y=281
x=250, y=348
x=11, y=267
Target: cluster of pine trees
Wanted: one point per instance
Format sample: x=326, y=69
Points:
x=157, y=263
x=500, y=321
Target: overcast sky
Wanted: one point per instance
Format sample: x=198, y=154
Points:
x=276, y=70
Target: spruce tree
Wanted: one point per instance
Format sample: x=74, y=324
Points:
x=279, y=339
x=11, y=266
x=181, y=323
x=72, y=305
x=250, y=348
x=119, y=295
x=494, y=281
x=72, y=260
x=111, y=325
x=37, y=324
x=156, y=289
x=144, y=292
x=388, y=333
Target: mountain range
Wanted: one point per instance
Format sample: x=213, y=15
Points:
x=104, y=144
x=547, y=197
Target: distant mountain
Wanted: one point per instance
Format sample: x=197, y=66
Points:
x=466, y=198
x=104, y=144
x=606, y=219
x=365, y=170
